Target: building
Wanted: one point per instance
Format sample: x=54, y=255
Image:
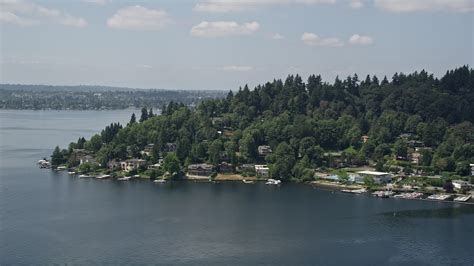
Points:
x=378, y=177
x=148, y=150
x=461, y=185
x=170, y=147
x=87, y=159
x=225, y=167
x=201, y=169
x=365, y=138
x=156, y=165
x=113, y=164
x=415, y=158
x=264, y=150
x=246, y=168
x=472, y=168
x=262, y=170
x=132, y=164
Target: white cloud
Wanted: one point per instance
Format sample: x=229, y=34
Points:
x=312, y=39
x=425, y=5
x=221, y=6
x=139, y=18
x=357, y=39
x=223, y=28
x=25, y=13
x=356, y=4
x=277, y=36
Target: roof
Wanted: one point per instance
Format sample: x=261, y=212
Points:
x=201, y=165
x=372, y=173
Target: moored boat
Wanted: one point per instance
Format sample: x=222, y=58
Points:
x=248, y=181
x=159, y=181
x=273, y=182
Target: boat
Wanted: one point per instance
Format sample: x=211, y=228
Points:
x=463, y=198
x=273, y=182
x=159, y=181
x=71, y=173
x=409, y=195
x=248, y=181
x=383, y=194
x=102, y=176
x=44, y=163
x=61, y=168
x=355, y=191
x=125, y=178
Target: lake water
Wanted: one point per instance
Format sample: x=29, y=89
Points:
x=52, y=218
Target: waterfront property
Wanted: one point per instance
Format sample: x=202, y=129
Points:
x=472, y=168
x=132, y=164
x=201, y=169
x=87, y=159
x=262, y=170
x=461, y=185
x=225, y=167
x=147, y=150
x=378, y=177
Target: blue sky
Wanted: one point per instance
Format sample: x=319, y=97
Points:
x=223, y=44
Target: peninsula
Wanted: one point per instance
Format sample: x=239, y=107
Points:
x=412, y=131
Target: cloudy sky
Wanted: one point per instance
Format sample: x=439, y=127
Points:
x=222, y=44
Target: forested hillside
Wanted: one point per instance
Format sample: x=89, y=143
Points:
x=312, y=124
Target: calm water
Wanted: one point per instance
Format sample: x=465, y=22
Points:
x=49, y=217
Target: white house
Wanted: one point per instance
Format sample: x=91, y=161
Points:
x=472, y=168
x=379, y=177
x=131, y=164
x=461, y=185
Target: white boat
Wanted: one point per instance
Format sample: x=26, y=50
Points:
x=102, y=176
x=383, y=194
x=463, y=198
x=354, y=191
x=125, y=178
x=248, y=181
x=136, y=176
x=159, y=181
x=71, y=173
x=61, y=168
x=84, y=176
x=273, y=182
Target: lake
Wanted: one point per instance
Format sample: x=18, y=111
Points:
x=48, y=217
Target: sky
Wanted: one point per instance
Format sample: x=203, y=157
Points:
x=224, y=44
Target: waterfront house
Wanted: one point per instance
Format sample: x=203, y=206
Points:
x=225, y=167
x=113, y=164
x=472, y=168
x=156, y=165
x=264, y=150
x=132, y=164
x=378, y=177
x=201, y=169
x=461, y=185
x=245, y=168
x=87, y=159
x=262, y=170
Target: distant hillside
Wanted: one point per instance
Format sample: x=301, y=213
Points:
x=17, y=96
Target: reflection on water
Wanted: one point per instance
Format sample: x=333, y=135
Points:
x=452, y=210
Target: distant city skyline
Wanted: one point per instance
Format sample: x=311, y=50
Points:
x=224, y=44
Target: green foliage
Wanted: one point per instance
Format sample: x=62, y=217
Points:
x=301, y=122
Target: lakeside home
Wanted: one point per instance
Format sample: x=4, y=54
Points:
x=264, y=150
x=202, y=169
x=461, y=185
x=132, y=164
x=262, y=170
x=378, y=177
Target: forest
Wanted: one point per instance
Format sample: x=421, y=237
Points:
x=380, y=122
